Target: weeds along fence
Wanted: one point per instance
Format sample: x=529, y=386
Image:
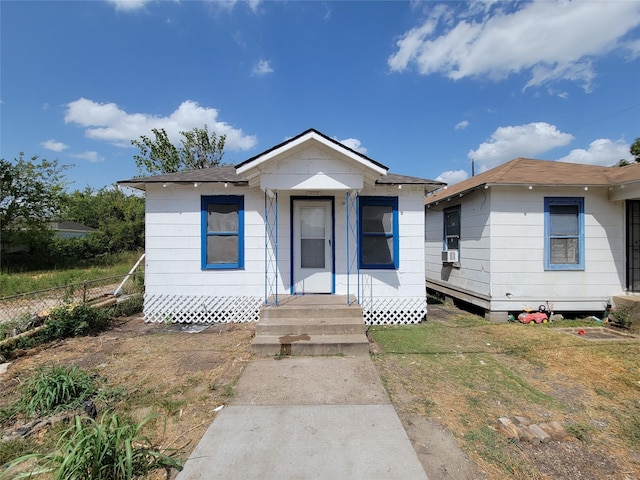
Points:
x=39, y=303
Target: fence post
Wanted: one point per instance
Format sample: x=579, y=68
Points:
x=84, y=292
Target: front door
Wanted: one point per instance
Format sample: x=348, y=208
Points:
x=312, y=246
x=633, y=245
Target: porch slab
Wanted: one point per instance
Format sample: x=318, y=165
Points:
x=304, y=344
x=319, y=300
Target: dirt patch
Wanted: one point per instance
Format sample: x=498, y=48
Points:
x=181, y=377
x=437, y=449
x=599, y=333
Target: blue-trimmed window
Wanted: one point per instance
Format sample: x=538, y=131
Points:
x=378, y=231
x=222, y=231
x=564, y=233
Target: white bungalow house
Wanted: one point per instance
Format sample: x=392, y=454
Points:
x=532, y=231
x=308, y=216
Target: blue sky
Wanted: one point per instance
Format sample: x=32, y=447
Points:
x=421, y=87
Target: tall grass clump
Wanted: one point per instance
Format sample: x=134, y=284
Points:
x=109, y=449
x=53, y=389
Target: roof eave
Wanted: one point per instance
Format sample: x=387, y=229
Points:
x=143, y=185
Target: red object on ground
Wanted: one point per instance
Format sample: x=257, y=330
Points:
x=535, y=317
x=580, y=332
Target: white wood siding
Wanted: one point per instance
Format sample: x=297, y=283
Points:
x=518, y=251
x=312, y=169
x=502, y=253
x=173, y=245
x=472, y=273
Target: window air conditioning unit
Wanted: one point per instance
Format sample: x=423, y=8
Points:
x=450, y=256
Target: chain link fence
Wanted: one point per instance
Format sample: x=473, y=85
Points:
x=28, y=305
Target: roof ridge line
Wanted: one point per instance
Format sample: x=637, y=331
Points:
x=507, y=167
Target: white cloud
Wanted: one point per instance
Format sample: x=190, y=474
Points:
x=54, y=146
x=254, y=4
x=634, y=49
x=354, y=144
x=452, y=176
x=462, y=125
x=527, y=140
x=551, y=40
x=603, y=151
x=92, y=157
x=263, y=67
x=128, y=5
x=230, y=4
x=108, y=122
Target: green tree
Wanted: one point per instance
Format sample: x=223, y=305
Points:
x=118, y=217
x=30, y=196
x=198, y=149
x=635, y=149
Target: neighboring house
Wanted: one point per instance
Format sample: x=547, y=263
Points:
x=532, y=231
x=308, y=216
x=68, y=229
x=63, y=230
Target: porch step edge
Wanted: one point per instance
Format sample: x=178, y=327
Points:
x=310, y=325
x=334, y=311
x=345, y=344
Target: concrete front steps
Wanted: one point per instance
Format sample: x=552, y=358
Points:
x=311, y=325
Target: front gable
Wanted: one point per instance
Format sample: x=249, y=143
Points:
x=311, y=168
x=311, y=161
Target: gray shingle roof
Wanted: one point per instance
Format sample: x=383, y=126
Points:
x=396, y=179
x=225, y=174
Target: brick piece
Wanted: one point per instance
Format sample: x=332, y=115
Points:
x=540, y=433
x=506, y=427
x=521, y=421
x=560, y=432
x=547, y=429
x=526, y=435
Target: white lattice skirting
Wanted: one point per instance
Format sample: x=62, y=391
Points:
x=201, y=309
x=393, y=310
x=205, y=309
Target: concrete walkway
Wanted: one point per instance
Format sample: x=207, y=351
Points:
x=306, y=418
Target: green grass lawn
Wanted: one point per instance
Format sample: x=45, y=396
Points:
x=467, y=372
x=15, y=283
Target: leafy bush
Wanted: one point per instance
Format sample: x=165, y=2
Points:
x=74, y=320
x=622, y=317
x=130, y=306
x=106, y=450
x=53, y=389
